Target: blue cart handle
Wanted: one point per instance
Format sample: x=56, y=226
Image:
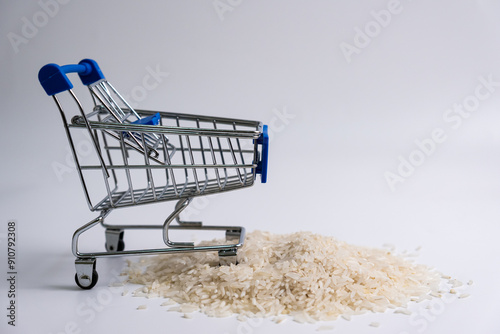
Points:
x=54, y=80
x=262, y=164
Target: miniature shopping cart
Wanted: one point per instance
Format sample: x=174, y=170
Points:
x=139, y=157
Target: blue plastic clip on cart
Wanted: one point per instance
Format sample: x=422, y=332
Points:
x=141, y=157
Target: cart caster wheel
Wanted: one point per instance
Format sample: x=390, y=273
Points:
x=119, y=248
x=228, y=257
x=83, y=282
x=86, y=275
x=114, y=240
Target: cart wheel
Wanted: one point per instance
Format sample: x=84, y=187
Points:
x=95, y=277
x=114, y=240
x=228, y=257
x=121, y=246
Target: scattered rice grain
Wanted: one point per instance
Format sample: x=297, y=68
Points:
x=403, y=311
x=116, y=284
x=168, y=303
x=279, y=320
x=325, y=328
x=175, y=309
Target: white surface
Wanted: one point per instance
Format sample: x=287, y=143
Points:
x=351, y=123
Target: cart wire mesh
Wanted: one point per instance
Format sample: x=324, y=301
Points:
x=146, y=156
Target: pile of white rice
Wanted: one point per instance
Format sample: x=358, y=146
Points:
x=308, y=276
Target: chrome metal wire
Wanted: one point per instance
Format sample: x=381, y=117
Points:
x=183, y=156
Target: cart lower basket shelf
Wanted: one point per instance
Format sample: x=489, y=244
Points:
x=139, y=157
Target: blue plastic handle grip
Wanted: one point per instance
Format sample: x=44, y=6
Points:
x=54, y=80
x=262, y=164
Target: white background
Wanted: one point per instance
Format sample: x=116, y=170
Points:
x=350, y=123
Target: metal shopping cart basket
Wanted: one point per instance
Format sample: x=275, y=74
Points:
x=143, y=157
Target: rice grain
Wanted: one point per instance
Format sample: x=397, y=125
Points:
x=303, y=275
